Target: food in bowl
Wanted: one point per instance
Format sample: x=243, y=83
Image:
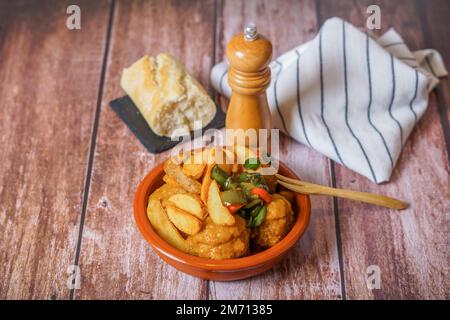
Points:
x=219, y=209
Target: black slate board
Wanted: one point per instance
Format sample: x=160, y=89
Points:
x=131, y=116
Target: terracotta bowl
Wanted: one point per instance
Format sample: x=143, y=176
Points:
x=221, y=270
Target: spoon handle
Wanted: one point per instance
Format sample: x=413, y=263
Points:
x=316, y=189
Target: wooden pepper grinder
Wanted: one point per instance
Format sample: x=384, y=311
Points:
x=249, y=55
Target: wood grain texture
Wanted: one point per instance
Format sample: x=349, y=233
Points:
x=48, y=92
x=410, y=247
x=116, y=262
x=49, y=88
x=434, y=17
x=311, y=270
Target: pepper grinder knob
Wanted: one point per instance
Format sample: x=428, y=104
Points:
x=250, y=32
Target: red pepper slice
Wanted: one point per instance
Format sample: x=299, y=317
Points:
x=263, y=194
x=235, y=207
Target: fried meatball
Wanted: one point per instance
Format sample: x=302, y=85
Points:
x=276, y=225
x=220, y=242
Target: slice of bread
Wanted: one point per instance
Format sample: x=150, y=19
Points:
x=168, y=97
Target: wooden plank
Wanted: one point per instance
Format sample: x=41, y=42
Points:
x=434, y=17
x=410, y=247
x=311, y=271
x=116, y=262
x=49, y=86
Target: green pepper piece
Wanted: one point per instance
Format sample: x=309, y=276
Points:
x=233, y=196
x=250, y=222
x=247, y=187
x=252, y=164
x=255, y=210
x=230, y=183
x=259, y=218
x=252, y=215
x=219, y=175
x=243, y=177
x=258, y=181
x=256, y=216
x=252, y=203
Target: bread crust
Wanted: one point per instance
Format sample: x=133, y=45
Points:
x=169, y=98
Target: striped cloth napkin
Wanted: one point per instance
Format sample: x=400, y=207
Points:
x=353, y=98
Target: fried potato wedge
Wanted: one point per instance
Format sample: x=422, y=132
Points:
x=174, y=170
x=169, y=180
x=217, y=211
x=183, y=220
x=226, y=159
x=166, y=190
x=189, y=203
x=206, y=181
x=194, y=166
x=194, y=170
x=160, y=221
x=209, y=155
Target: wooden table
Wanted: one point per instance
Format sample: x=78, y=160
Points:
x=69, y=166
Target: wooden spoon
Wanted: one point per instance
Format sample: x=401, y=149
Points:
x=316, y=189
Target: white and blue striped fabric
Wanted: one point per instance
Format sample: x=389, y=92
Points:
x=353, y=98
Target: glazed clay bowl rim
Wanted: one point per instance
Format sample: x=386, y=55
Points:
x=154, y=179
